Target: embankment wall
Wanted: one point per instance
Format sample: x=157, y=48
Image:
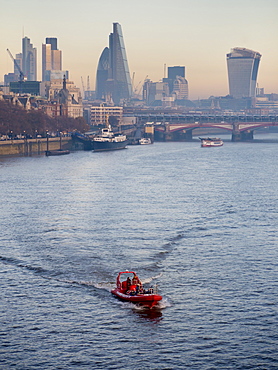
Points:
x=33, y=146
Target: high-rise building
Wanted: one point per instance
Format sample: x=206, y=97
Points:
x=102, y=74
x=29, y=60
x=243, y=65
x=18, y=59
x=53, y=42
x=154, y=92
x=117, y=86
x=173, y=73
x=180, y=88
x=51, y=59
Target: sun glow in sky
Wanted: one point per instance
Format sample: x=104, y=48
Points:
x=157, y=33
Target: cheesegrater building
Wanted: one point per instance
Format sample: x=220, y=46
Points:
x=113, y=78
x=243, y=66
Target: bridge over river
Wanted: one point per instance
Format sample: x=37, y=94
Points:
x=242, y=127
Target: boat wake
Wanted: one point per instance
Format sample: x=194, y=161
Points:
x=51, y=275
x=164, y=303
x=105, y=286
x=150, y=279
x=21, y=264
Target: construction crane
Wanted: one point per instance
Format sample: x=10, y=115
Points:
x=83, y=87
x=132, y=81
x=21, y=74
x=139, y=87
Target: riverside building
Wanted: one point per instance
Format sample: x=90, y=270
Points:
x=100, y=114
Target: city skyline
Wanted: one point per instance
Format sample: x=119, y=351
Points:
x=197, y=36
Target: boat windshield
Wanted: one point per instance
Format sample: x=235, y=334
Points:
x=124, y=275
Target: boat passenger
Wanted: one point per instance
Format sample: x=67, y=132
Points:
x=136, y=280
x=124, y=286
x=128, y=281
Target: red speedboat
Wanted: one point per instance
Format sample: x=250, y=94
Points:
x=130, y=289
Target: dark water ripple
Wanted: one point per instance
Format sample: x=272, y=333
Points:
x=202, y=224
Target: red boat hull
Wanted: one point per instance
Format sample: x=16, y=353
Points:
x=148, y=300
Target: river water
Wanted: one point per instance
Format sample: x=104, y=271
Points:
x=199, y=222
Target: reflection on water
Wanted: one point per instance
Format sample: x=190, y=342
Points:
x=153, y=315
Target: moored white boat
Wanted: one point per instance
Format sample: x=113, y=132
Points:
x=211, y=141
x=145, y=141
x=107, y=140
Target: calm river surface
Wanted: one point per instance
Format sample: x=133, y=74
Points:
x=202, y=223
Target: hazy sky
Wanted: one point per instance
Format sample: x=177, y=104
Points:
x=195, y=33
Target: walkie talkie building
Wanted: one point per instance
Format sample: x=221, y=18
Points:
x=117, y=85
x=243, y=66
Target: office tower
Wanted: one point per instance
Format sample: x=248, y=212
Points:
x=102, y=74
x=173, y=72
x=18, y=59
x=51, y=59
x=53, y=42
x=155, y=91
x=243, y=65
x=117, y=87
x=180, y=88
x=118, y=66
x=29, y=60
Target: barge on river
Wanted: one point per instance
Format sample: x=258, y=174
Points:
x=210, y=142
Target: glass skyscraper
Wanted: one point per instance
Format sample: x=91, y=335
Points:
x=102, y=74
x=117, y=84
x=243, y=66
x=51, y=58
x=173, y=73
x=29, y=60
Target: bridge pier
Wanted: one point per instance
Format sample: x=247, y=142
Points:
x=181, y=135
x=184, y=135
x=242, y=135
